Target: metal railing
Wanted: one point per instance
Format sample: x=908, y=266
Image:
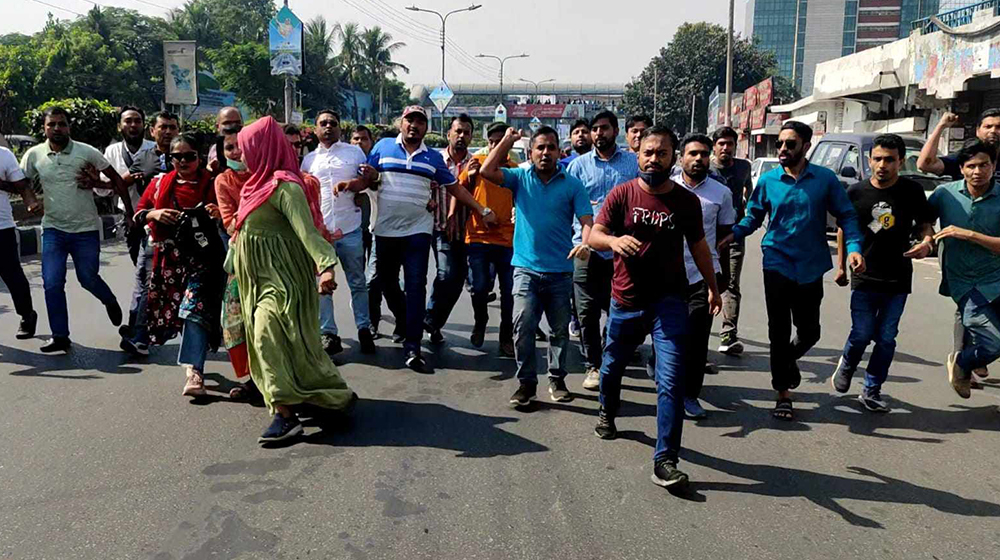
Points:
x=954, y=18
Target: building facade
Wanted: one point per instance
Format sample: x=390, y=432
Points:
x=803, y=34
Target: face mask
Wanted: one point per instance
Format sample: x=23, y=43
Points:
x=654, y=178
x=236, y=165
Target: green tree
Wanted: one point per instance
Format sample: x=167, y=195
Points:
x=91, y=121
x=379, y=49
x=321, y=82
x=351, y=58
x=692, y=65
x=19, y=64
x=246, y=69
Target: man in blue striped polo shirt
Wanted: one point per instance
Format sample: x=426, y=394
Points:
x=401, y=170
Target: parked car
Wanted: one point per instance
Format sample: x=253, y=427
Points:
x=19, y=143
x=761, y=166
x=846, y=154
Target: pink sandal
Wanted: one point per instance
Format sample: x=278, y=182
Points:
x=195, y=386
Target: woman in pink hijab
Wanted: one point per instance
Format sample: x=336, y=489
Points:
x=279, y=248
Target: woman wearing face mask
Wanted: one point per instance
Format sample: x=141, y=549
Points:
x=279, y=248
x=185, y=287
x=228, y=187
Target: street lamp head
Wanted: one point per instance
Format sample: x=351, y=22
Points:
x=413, y=8
x=475, y=7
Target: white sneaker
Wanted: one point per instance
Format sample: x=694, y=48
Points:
x=593, y=380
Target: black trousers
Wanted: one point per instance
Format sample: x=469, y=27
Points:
x=591, y=296
x=699, y=331
x=788, y=303
x=12, y=274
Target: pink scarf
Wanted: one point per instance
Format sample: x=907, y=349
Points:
x=271, y=161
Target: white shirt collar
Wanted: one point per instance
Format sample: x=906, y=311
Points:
x=422, y=148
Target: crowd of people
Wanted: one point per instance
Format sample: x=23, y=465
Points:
x=235, y=246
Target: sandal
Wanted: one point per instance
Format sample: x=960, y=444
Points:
x=783, y=409
x=244, y=392
x=195, y=386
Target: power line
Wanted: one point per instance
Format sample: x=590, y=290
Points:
x=56, y=7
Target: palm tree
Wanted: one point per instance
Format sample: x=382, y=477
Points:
x=378, y=50
x=351, y=56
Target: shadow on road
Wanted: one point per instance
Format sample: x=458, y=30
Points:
x=387, y=423
x=824, y=490
x=80, y=358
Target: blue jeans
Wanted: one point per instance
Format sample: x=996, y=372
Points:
x=140, y=291
x=874, y=318
x=486, y=262
x=85, y=248
x=452, y=269
x=982, y=331
x=667, y=322
x=351, y=254
x=535, y=293
x=194, y=345
x=409, y=252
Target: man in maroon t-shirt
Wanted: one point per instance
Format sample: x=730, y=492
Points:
x=646, y=222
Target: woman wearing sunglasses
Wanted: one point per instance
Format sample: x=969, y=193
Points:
x=185, y=287
x=279, y=250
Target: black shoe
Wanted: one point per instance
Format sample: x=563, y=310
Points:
x=398, y=336
x=114, y=313
x=332, y=344
x=491, y=298
x=27, y=327
x=540, y=335
x=366, y=341
x=524, y=395
x=436, y=336
x=666, y=474
x=137, y=349
x=478, y=334
x=605, y=428
x=841, y=379
x=416, y=362
x=281, y=428
x=558, y=391
x=56, y=344
x=374, y=330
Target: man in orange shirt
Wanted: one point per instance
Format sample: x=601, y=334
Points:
x=490, y=247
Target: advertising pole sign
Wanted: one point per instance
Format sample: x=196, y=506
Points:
x=180, y=66
x=285, y=44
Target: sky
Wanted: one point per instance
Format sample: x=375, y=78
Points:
x=571, y=41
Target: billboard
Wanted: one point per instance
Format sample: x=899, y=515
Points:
x=180, y=68
x=285, y=44
x=553, y=111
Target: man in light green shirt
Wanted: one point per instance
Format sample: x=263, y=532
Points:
x=64, y=169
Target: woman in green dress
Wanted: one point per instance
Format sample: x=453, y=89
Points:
x=280, y=246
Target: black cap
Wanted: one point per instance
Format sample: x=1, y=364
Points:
x=495, y=127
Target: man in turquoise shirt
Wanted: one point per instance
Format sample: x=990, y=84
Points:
x=546, y=200
x=795, y=199
x=71, y=226
x=969, y=211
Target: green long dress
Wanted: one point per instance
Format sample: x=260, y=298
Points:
x=278, y=251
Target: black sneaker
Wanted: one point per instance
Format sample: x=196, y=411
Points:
x=841, y=378
x=558, y=391
x=666, y=474
x=491, y=298
x=374, y=330
x=416, y=362
x=114, y=313
x=332, y=344
x=138, y=350
x=478, y=335
x=398, y=336
x=605, y=428
x=56, y=344
x=524, y=395
x=366, y=341
x=27, y=327
x=281, y=428
x=872, y=400
x=436, y=336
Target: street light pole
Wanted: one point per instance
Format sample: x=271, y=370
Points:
x=502, y=61
x=729, y=66
x=289, y=93
x=444, y=20
x=536, y=84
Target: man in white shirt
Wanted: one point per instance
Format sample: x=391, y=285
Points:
x=718, y=216
x=134, y=158
x=12, y=181
x=336, y=164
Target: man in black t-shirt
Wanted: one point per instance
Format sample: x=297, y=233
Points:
x=890, y=208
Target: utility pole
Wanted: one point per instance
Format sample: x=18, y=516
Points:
x=444, y=19
x=729, y=66
x=502, y=61
x=289, y=93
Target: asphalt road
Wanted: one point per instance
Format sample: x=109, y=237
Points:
x=101, y=456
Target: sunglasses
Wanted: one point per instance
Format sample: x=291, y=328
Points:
x=186, y=157
x=790, y=144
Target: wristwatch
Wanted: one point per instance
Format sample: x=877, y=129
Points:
x=486, y=211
